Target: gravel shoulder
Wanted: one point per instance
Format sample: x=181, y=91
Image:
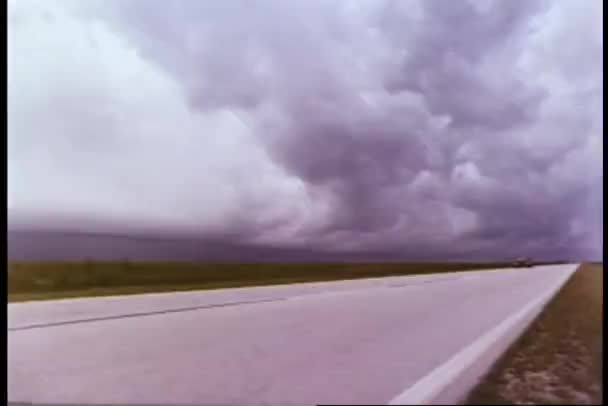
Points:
x=558, y=360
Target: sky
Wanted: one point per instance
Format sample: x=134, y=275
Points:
x=427, y=126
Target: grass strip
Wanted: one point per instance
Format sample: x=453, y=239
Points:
x=54, y=280
x=558, y=360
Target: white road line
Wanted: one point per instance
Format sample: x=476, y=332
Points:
x=423, y=391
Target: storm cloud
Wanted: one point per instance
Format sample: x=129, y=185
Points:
x=468, y=128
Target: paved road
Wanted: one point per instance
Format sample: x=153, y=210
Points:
x=355, y=342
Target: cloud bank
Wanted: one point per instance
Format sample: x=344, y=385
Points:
x=469, y=128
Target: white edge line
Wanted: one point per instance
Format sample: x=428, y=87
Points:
x=423, y=391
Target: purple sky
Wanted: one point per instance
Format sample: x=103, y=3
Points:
x=402, y=126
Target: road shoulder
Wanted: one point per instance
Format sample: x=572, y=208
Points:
x=558, y=360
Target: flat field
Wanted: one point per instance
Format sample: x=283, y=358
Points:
x=62, y=279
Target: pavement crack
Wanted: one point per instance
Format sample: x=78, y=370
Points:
x=140, y=314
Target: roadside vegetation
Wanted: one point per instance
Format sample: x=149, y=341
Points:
x=51, y=280
x=558, y=360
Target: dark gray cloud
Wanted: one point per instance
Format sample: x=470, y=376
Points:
x=446, y=128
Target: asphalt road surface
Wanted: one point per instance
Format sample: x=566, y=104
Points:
x=354, y=342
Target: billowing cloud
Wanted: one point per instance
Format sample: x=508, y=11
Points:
x=470, y=128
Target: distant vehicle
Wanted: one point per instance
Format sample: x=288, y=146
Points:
x=523, y=262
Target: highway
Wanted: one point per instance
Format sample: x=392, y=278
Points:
x=353, y=342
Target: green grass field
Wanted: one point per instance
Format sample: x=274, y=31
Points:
x=51, y=280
